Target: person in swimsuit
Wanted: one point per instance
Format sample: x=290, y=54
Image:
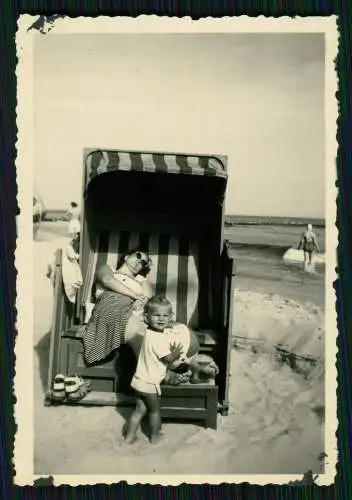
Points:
x=37, y=216
x=309, y=244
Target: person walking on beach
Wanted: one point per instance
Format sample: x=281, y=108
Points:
x=309, y=243
x=73, y=215
x=37, y=216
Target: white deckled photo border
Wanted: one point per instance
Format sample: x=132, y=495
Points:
x=24, y=410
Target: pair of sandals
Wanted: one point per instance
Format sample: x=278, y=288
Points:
x=70, y=388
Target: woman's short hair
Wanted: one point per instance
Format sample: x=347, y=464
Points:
x=146, y=265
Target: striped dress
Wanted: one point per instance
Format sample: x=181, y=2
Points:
x=105, y=331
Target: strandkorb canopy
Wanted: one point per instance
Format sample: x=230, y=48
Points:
x=100, y=161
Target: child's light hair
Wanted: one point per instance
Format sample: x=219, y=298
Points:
x=157, y=300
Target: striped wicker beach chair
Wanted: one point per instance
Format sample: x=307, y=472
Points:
x=182, y=232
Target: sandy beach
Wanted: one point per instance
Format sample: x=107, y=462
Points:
x=275, y=423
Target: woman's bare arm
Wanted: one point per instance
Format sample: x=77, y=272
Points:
x=105, y=276
x=147, y=289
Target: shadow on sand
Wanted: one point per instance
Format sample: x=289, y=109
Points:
x=42, y=350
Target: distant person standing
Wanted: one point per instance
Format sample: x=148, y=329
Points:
x=37, y=216
x=73, y=215
x=309, y=243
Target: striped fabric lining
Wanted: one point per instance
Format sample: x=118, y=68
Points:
x=99, y=162
x=178, y=270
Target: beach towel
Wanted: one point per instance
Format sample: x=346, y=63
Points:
x=71, y=274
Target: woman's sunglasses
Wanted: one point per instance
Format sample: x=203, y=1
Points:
x=145, y=261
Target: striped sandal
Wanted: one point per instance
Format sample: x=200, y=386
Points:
x=58, y=392
x=76, y=388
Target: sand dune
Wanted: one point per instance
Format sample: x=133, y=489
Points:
x=275, y=421
x=277, y=320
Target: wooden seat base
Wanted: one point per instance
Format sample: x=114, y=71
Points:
x=110, y=382
x=187, y=402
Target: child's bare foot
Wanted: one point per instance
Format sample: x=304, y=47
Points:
x=156, y=438
x=130, y=439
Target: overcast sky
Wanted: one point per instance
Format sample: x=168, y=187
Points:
x=258, y=98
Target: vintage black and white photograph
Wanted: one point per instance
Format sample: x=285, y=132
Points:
x=175, y=293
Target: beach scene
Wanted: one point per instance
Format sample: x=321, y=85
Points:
x=276, y=414
x=257, y=99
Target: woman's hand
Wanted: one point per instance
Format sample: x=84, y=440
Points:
x=105, y=277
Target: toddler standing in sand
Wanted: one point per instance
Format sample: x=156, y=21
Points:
x=157, y=353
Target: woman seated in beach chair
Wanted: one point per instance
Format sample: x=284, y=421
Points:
x=117, y=317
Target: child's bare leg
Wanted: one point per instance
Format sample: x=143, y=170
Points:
x=135, y=420
x=152, y=402
x=155, y=426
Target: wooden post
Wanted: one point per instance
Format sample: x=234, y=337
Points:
x=56, y=323
x=229, y=272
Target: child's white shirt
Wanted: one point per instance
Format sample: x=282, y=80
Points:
x=157, y=345
x=150, y=368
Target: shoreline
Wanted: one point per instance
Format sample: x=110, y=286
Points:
x=269, y=236
x=250, y=220
x=230, y=219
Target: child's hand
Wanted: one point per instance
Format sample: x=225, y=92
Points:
x=176, y=351
x=175, y=354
